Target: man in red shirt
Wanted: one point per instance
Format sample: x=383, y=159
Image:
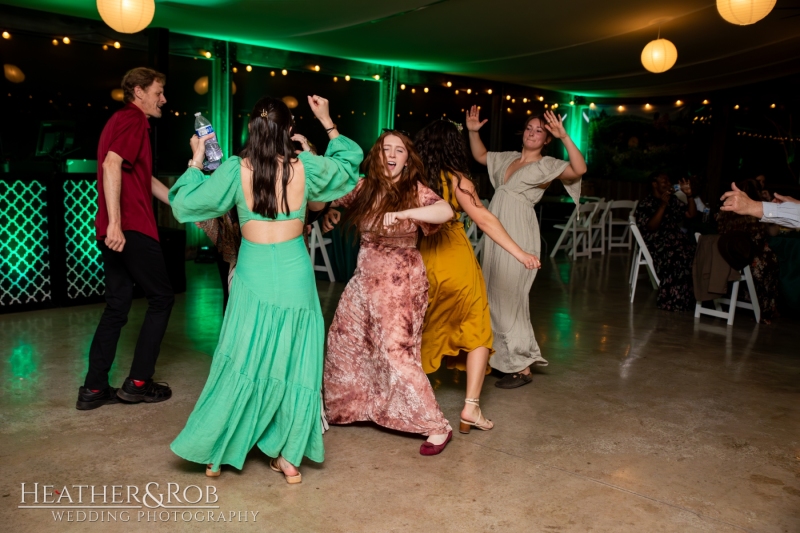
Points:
x=128, y=240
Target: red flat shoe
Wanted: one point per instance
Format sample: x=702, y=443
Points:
x=429, y=448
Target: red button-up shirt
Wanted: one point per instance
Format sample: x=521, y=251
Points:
x=127, y=134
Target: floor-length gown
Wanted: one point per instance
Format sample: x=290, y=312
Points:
x=372, y=369
x=508, y=282
x=264, y=385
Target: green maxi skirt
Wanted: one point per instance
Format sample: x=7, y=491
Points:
x=264, y=385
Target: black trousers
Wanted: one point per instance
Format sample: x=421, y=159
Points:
x=140, y=262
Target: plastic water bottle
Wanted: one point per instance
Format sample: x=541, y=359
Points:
x=706, y=213
x=213, y=152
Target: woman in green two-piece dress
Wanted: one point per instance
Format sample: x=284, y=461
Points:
x=264, y=385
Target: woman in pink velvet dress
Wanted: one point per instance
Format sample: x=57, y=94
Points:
x=373, y=369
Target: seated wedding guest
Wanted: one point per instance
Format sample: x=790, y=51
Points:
x=659, y=218
x=783, y=210
x=764, y=265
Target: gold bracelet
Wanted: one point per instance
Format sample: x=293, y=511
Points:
x=192, y=164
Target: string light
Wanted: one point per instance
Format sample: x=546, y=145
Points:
x=6, y=35
x=449, y=83
x=456, y=91
x=679, y=103
x=413, y=90
x=377, y=77
x=249, y=68
x=705, y=102
x=736, y=106
x=271, y=73
x=508, y=109
x=55, y=42
x=426, y=90
x=489, y=91
x=529, y=111
x=524, y=100
x=335, y=78
x=469, y=91
x=66, y=40
x=620, y=109
x=316, y=68
x=402, y=86
x=284, y=72
x=648, y=107
x=207, y=54
x=555, y=106
x=572, y=102
x=117, y=45
x=508, y=97
x=772, y=106
x=592, y=106
x=347, y=78
x=541, y=98
x=235, y=70
x=105, y=47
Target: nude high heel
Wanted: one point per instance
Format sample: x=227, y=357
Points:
x=480, y=423
x=273, y=464
x=210, y=472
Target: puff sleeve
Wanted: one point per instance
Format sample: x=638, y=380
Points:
x=553, y=168
x=196, y=197
x=335, y=174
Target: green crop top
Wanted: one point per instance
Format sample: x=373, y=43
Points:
x=196, y=197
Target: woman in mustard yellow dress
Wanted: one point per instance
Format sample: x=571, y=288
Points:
x=457, y=323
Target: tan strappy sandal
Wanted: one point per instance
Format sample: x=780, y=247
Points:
x=480, y=423
x=210, y=472
x=273, y=464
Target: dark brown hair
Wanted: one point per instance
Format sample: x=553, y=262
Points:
x=379, y=194
x=542, y=120
x=442, y=148
x=269, y=146
x=140, y=77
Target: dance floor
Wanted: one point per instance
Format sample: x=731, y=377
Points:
x=644, y=421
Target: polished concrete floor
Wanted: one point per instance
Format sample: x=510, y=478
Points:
x=645, y=421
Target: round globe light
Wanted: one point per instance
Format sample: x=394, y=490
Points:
x=201, y=85
x=13, y=73
x=744, y=12
x=659, y=55
x=127, y=16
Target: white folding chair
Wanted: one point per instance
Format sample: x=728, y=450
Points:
x=624, y=240
x=565, y=233
x=578, y=231
x=582, y=230
x=732, y=302
x=641, y=256
x=599, y=226
x=317, y=241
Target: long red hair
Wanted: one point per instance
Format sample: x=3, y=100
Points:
x=378, y=194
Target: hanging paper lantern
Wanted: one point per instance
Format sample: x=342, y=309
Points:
x=659, y=55
x=13, y=73
x=290, y=101
x=118, y=95
x=127, y=16
x=744, y=12
x=201, y=85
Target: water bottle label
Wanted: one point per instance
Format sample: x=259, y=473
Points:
x=205, y=130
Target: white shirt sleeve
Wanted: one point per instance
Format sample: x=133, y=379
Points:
x=786, y=214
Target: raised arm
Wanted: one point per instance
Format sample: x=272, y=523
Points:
x=474, y=124
x=577, y=164
x=489, y=224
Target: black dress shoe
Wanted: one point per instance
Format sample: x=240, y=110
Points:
x=149, y=392
x=92, y=400
x=512, y=381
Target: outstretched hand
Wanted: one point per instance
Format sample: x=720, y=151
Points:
x=555, y=125
x=779, y=199
x=737, y=201
x=474, y=122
